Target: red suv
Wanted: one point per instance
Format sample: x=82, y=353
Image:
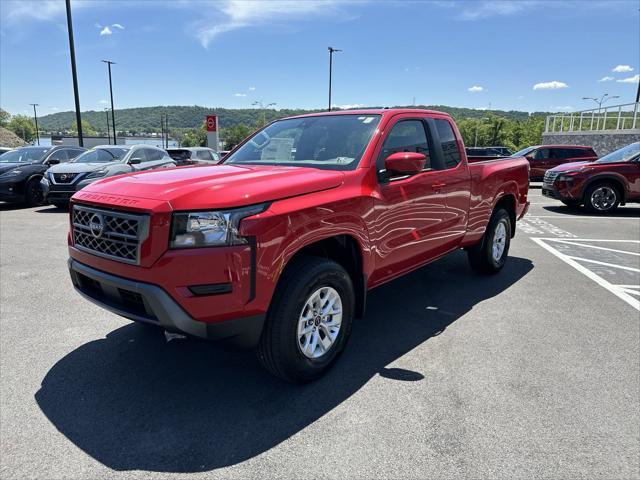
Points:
x=544, y=157
x=601, y=185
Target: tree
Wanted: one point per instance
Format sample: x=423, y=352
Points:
x=232, y=136
x=87, y=129
x=195, y=137
x=23, y=126
x=4, y=118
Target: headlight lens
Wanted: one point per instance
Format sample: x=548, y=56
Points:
x=98, y=174
x=13, y=173
x=210, y=229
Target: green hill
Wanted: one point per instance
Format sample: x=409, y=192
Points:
x=147, y=119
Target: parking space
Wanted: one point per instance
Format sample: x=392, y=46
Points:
x=530, y=373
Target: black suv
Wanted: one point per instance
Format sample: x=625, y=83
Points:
x=21, y=170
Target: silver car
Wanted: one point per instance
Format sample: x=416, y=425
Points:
x=61, y=181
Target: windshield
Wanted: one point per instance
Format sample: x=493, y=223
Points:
x=332, y=142
x=24, y=155
x=625, y=154
x=523, y=152
x=101, y=155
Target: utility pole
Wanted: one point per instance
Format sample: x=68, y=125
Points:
x=331, y=51
x=106, y=114
x=166, y=129
x=603, y=99
x=72, y=52
x=113, y=115
x=35, y=118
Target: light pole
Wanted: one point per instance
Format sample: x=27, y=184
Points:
x=331, y=51
x=113, y=115
x=35, y=117
x=72, y=52
x=106, y=114
x=603, y=99
x=264, y=108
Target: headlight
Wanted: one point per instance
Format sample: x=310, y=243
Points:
x=98, y=174
x=210, y=229
x=13, y=173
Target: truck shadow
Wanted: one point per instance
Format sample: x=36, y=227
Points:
x=133, y=401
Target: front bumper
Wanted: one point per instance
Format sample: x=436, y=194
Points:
x=149, y=303
x=62, y=192
x=10, y=192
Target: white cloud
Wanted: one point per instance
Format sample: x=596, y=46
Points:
x=105, y=31
x=251, y=89
x=118, y=26
x=494, y=8
x=520, y=97
x=475, y=88
x=239, y=94
x=246, y=13
x=623, y=69
x=606, y=79
x=553, y=85
x=566, y=108
x=54, y=109
x=349, y=106
x=103, y=102
x=634, y=79
x=37, y=10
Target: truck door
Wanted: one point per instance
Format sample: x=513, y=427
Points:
x=410, y=211
x=457, y=181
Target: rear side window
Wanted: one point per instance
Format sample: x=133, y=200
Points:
x=180, y=154
x=60, y=155
x=450, y=151
x=203, y=155
x=153, y=154
x=406, y=136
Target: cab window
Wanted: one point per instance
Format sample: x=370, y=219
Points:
x=406, y=136
x=450, y=151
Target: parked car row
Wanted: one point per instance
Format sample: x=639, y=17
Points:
x=35, y=175
x=601, y=185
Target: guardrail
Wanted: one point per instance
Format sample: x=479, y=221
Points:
x=613, y=117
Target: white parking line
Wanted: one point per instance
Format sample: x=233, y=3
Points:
x=623, y=292
x=580, y=217
x=597, y=248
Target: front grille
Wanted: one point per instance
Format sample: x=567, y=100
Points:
x=549, y=177
x=114, y=235
x=64, y=177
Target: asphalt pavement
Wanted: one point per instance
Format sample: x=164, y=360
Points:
x=534, y=372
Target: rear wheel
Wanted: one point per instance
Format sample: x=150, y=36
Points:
x=602, y=197
x=33, y=195
x=309, y=321
x=490, y=254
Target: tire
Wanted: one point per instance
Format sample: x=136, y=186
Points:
x=481, y=256
x=282, y=342
x=602, y=197
x=33, y=193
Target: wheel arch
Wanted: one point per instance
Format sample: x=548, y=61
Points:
x=606, y=177
x=508, y=202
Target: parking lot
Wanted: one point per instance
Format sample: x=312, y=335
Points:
x=534, y=372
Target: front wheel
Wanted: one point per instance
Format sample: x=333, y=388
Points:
x=33, y=195
x=601, y=197
x=490, y=254
x=309, y=321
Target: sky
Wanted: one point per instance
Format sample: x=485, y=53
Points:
x=530, y=55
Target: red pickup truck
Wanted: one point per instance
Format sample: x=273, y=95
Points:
x=277, y=247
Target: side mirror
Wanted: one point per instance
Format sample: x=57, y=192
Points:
x=405, y=163
x=53, y=161
x=135, y=161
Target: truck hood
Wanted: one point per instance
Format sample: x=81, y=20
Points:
x=218, y=186
x=80, y=167
x=565, y=167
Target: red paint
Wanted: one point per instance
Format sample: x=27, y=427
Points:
x=398, y=226
x=546, y=157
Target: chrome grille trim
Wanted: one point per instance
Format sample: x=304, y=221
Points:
x=121, y=236
x=549, y=177
x=56, y=178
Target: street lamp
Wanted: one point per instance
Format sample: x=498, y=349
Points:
x=331, y=51
x=106, y=114
x=113, y=115
x=72, y=52
x=264, y=108
x=35, y=117
x=605, y=98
